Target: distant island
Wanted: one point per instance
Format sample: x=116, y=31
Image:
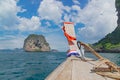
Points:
x=36, y=42
x=54, y=50
x=111, y=42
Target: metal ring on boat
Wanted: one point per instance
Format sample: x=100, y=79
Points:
x=78, y=44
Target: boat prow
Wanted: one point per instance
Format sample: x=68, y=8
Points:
x=76, y=69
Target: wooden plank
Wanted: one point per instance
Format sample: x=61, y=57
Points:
x=82, y=71
x=75, y=69
x=57, y=71
x=66, y=73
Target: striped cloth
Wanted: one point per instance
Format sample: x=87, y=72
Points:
x=70, y=53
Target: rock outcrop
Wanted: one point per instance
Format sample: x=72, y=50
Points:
x=117, y=5
x=36, y=43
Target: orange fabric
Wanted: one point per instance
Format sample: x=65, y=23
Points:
x=70, y=38
x=68, y=22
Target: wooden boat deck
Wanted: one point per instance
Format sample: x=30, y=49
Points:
x=76, y=69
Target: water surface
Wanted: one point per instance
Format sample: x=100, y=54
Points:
x=20, y=65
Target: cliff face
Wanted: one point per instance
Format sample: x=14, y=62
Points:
x=111, y=42
x=117, y=5
x=36, y=43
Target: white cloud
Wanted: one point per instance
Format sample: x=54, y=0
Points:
x=76, y=2
x=66, y=17
x=48, y=23
x=57, y=41
x=8, y=11
x=10, y=21
x=29, y=24
x=51, y=10
x=99, y=18
x=49, y=30
x=11, y=42
x=76, y=7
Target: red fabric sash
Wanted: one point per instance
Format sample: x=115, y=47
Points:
x=70, y=38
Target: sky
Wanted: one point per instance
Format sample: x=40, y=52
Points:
x=93, y=19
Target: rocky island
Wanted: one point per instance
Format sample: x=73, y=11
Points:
x=36, y=43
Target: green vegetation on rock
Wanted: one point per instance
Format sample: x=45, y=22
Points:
x=117, y=3
x=110, y=42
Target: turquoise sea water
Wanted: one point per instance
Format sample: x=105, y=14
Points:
x=20, y=65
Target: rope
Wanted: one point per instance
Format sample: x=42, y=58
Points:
x=110, y=64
